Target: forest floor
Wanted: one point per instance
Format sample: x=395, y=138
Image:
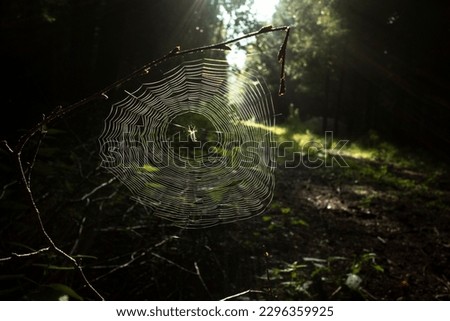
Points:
x=374, y=230
x=377, y=229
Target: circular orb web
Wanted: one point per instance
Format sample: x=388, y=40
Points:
x=195, y=147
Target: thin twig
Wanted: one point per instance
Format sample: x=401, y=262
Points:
x=133, y=258
x=97, y=188
x=367, y=293
x=124, y=265
x=80, y=231
x=6, y=146
x=33, y=205
x=282, y=60
x=197, y=269
x=59, y=112
x=234, y=296
x=173, y=263
x=45, y=249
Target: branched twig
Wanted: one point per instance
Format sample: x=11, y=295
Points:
x=36, y=151
x=282, y=60
x=133, y=258
x=61, y=112
x=173, y=263
x=97, y=188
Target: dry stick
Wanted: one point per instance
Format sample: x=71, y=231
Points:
x=134, y=258
x=162, y=258
x=197, y=269
x=45, y=249
x=80, y=231
x=282, y=60
x=5, y=187
x=29, y=193
x=60, y=112
x=97, y=188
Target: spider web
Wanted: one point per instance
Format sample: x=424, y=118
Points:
x=195, y=146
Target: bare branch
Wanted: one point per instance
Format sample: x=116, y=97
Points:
x=97, y=188
x=77, y=241
x=173, y=263
x=5, y=187
x=134, y=257
x=45, y=249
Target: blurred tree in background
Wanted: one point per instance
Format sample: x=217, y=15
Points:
x=360, y=66
x=314, y=55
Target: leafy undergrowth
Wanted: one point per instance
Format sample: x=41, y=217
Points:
x=377, y=229
x=374, y=230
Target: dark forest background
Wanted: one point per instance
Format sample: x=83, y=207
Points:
x=373, y=72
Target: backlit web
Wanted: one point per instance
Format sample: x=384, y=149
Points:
x=195, y=146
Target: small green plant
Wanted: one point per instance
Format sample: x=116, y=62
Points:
x=366, y=259
x=322, y=279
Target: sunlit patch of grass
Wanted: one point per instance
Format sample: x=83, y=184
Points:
x=277, y=130
x=295, y=140
x=299, y=221
x=304, y=138
x=154, y=185
x=363, y=190
x=283, y=217
x=149, y=168
x=359, y=152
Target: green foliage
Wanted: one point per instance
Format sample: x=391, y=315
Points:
x=366, y=259
x=149, y=168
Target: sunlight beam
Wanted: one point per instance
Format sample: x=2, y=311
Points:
x=263, y=12
x=264, y=9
